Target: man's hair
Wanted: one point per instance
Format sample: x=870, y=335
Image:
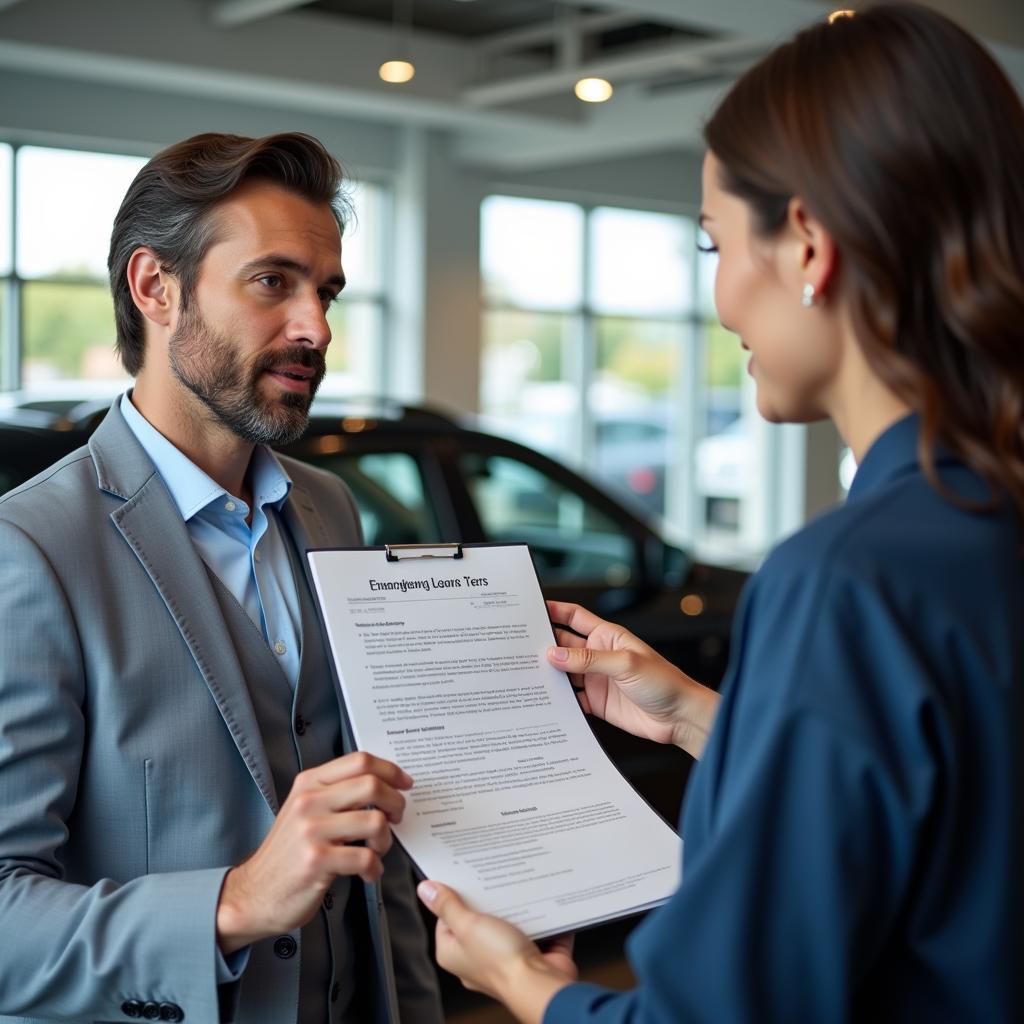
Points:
x=170, y=205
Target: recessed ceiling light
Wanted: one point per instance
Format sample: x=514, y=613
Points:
x=397, y=71
x=836, y=15
x=593, y=90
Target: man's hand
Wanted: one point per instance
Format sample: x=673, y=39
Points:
x=348, y=800
x=628, y=684
x=494, y=957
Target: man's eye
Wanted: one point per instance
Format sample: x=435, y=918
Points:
x=327, y=297
x=271, y=280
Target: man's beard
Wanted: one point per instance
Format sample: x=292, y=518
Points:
x=208, y=364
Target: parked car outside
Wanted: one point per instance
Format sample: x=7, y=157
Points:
x=724, y=467
x=631, y=453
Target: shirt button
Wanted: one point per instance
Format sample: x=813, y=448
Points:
x=280, y=648
x=230, y=506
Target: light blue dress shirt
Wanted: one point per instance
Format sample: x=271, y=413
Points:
x=251, y=561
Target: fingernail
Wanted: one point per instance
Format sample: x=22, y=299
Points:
x=427, y=892
x=559, y=653
x=408, y=780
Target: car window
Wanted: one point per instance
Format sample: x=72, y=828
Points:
x=8, y=479
x=388, y=489
x=572, y=540
x=627, y=431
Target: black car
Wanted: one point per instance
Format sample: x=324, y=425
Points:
x=420, y=477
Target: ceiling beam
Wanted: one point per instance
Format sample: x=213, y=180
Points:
x=698, y=58
x=769, y=18
x=633, y=123
x=229, y=13
x=538, y=35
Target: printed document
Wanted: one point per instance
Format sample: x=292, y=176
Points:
x=442, y=665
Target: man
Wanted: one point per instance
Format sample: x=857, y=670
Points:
x=182, y=836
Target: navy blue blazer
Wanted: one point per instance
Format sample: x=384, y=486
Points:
x=853, y=833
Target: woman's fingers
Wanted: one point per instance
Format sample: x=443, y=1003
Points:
x=574, y=616
x=583, y=660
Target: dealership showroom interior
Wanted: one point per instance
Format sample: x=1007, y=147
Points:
x=526, y=349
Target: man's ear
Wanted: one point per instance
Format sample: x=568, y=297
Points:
x=814, y=249
x=154, y=290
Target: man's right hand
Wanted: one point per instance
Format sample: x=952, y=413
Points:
x=628, y=684
x=348, y=800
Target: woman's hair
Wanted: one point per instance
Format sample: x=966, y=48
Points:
x=169, y=208
x=906, y=140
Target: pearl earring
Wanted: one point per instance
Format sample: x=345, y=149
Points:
x=807, y=299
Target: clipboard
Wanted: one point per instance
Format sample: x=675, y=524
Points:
x=400, y=552
x=438, y=650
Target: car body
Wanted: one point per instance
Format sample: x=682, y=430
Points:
x=419, y=476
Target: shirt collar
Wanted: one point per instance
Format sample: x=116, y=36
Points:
x=191, y=489
x=894, y=454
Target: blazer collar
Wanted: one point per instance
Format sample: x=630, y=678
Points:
x=151, y=525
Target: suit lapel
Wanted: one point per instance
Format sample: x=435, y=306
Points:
x=153, y=528
x=307, y=531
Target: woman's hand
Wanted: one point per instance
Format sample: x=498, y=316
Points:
x=490, y=955
x=622, y=680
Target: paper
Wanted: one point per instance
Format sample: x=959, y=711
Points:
x=515, y=805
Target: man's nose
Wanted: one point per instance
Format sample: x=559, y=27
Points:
x=308, y=322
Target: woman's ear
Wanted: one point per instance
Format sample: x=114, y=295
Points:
x=154, y=291
x=816, y=259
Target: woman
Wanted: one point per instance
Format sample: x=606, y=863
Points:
x=853, y=829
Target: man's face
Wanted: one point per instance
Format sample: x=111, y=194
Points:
x=250, y=346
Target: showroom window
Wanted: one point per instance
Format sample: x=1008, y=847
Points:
x=601, y=347
x=57, y=207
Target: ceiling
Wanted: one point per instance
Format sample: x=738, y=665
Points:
x=497, y=74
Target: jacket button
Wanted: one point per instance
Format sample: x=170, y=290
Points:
x=285, y=947
x=300, y=725
x=335, y=991
x=131, y=1008
x=328, y=900
x=171, y=1012
x=151, y=1011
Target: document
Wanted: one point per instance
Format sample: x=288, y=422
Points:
x=442, y=664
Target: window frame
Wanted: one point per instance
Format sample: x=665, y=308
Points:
x=684, y=508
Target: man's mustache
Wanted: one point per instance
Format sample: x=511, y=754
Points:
x=312, y=358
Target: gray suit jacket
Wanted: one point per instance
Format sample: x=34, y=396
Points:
x=132, y=773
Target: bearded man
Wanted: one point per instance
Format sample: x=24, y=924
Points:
x=186, y=832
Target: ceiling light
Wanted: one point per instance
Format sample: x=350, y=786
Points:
x=836, y=15
x=397, y=71
x=593, y=90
